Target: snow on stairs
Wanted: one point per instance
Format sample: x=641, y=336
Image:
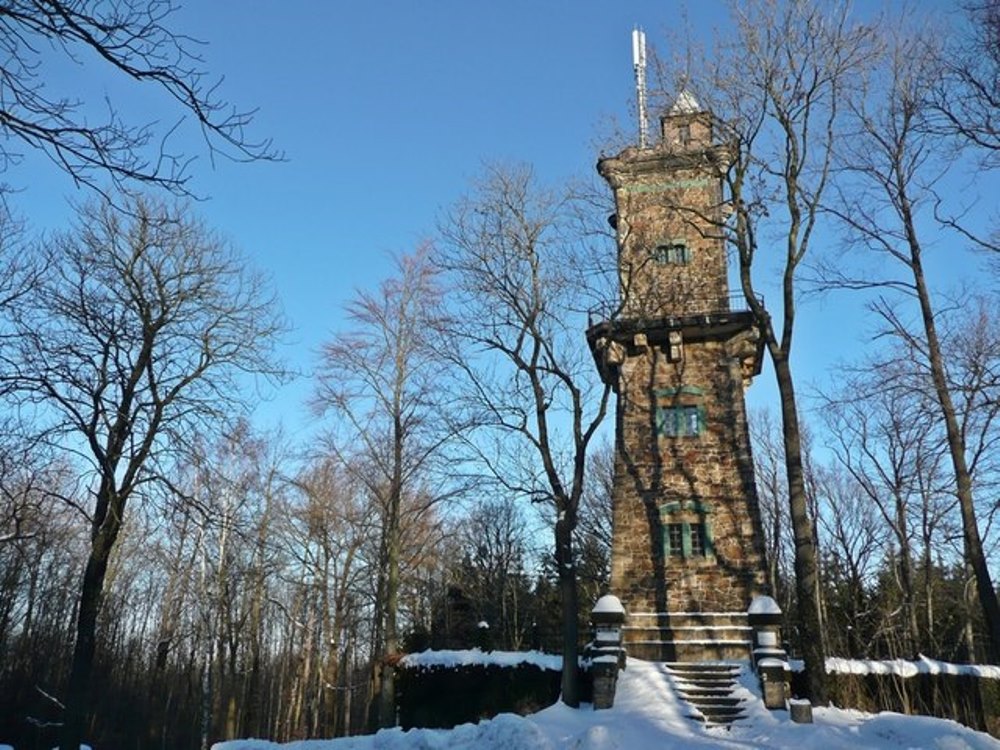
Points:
x=709, y=689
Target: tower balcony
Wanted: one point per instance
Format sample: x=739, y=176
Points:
x=615, y=328
x=640, y=313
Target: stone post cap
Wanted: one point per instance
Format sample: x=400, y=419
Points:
x=608, y=610
x=772, y=663
x=764, y=610
x=764, y=605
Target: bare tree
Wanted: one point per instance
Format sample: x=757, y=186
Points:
x=136, y=40
x=853, y=540
x=518, y=274
x=326, y=533
x=893, y=169
x=879, y=423
x=769, y=462
x=382, y=378
x=965, y=99
x=235, y=489
x=139, y=337
x=776, y=88
x=594, y=530
x=495, y=540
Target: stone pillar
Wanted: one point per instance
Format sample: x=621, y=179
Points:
x=769, y=658
x=764, y=616
x=606, y=653
x=773, y=682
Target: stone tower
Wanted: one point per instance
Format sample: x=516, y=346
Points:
x=679, y=351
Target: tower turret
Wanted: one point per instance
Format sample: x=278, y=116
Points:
x=669, y=212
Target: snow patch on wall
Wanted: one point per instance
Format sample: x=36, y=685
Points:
x=902, y=667
x=475, y=656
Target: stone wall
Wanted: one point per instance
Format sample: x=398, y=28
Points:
x=679, y=360
x=664, y=195
x=702, y=479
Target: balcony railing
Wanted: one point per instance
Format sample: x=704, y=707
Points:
x=655, y=307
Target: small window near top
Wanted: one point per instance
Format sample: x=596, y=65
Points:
x=684, y=134
x=672, y=253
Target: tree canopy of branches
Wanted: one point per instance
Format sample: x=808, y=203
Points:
x=131, y=345
x=518, y=272
x=382, y=377
x=892, y=200
x=134, y=39
x=966, y=96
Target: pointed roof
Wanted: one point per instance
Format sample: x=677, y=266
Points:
x=685, y=104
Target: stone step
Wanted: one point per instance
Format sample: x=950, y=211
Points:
x=688, y=651
x=712, y=699
x=717, y=711
x=706, y=679
x=722, y=694
x=686, y=633
x=715, y=670
x=718, y=686
x=688, y=619
x=688, y=636
x=717, y=720
x=708, y=688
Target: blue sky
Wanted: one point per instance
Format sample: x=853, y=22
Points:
x=385, y=110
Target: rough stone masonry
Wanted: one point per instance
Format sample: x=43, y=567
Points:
x=679, y=352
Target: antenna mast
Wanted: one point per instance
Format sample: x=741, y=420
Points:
x=639, y=66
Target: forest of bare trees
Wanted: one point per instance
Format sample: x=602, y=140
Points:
x=171, y=574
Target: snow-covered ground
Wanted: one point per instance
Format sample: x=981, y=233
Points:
x=647, y=714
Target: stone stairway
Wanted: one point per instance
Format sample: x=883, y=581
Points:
x=688, y=636
x=708, y=689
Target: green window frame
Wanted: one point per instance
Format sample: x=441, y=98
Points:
x=696, y=540
x=683, y=420
x=687, y=539
x=680, y=411
x=673, y=253
x=673, y=540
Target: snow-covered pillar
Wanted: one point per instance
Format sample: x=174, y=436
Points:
x=769, y=658
x=606, y=652
x=764, y=616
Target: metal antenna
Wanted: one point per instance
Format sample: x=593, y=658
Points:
x=639, y=65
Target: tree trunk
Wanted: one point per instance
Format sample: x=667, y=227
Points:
x=387, y=692
x=956, y=449
x=568, y=600
x=806, y=567
x=387, y=686
x=906, y=580
x=968, y=631
x=78, y=689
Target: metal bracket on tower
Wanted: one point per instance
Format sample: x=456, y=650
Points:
x=676, y=344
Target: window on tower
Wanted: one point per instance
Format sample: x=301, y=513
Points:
x=674, y=540
x=685, y=420
x=697, y=532
x=686, y=527
x=675, y=252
